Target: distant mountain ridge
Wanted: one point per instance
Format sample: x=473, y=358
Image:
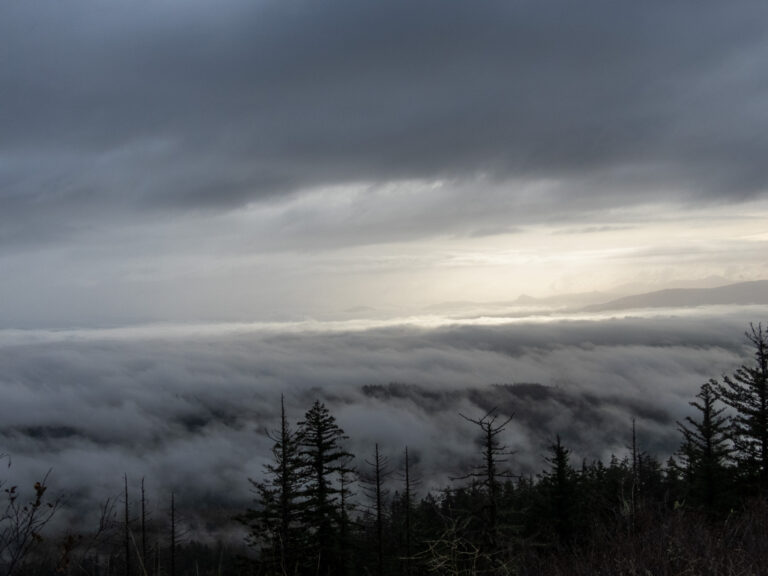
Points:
x=742, y=293
x=564, y=300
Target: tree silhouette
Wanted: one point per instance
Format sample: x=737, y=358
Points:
x=174, y=539
x=746, y=391
x=22, y=522
x=346, y=509
x=324, y=458
x=279, y=503
x=488, y=475
x=705, y=447
x=559, y=486
x=379, y=470
x=407, y=503
x=127, y=530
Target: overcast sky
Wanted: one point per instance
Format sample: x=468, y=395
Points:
x=191, y=160
x=172, y=171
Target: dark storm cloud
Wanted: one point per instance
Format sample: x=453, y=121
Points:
x=191, y=405
x=110, y=108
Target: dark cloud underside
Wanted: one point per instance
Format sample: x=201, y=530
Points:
x=194, y=105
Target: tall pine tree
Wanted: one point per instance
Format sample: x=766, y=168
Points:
x=559, y=486
x=324, y=458
x=275, y=524
x=746, y=391
x=705, y=448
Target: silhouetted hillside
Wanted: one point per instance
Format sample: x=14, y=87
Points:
x=743, y=293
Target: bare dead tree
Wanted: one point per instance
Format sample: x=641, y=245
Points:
x=346, y=505
x=635, y=474
x=143, y=526
x=376, y=492
x=408, y=509
x=77, y=549
x=491, y=470
x=410, y=481
x=173, y=536
x=22, y=523
x=126, y=521
x=450, y=554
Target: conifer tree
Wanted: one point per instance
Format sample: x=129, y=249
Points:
x=323, y=458
x=705, y=446
x=746, y=391
x=560, y=486
x=279, y=503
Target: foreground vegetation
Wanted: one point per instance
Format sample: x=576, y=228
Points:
x=703, y=511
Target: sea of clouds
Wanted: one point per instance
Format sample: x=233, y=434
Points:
x=187, y=407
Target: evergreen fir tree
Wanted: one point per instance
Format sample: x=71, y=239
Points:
x=277, y=519
x=559, y=484
x=705, y=447
x=746, y=391
x=323, y=458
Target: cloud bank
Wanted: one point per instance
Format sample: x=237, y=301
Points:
x=188, y=410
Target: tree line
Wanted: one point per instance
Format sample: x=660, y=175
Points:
x=491, y=521
x=702, y=511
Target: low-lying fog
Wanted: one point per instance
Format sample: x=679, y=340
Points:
x=186, y=407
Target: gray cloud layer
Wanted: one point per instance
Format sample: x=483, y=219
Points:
x=188, y=411
x=113, y=110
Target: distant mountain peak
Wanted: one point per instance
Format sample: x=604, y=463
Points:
x=741, y=294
